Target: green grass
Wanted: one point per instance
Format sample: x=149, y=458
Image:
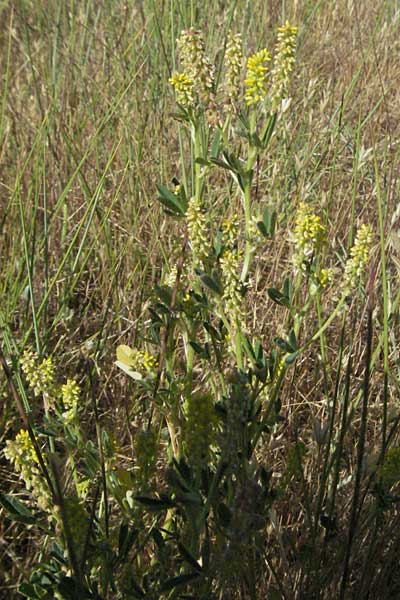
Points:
x=86, y=133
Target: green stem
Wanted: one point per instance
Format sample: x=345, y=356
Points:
x=246, y=194
x=385, y=303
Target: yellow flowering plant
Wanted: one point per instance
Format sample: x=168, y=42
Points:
x=191, y=505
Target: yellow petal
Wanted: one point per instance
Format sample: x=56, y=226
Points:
x=125, y=355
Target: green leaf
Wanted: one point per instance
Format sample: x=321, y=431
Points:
x=269, y=221
x=249, y=348
x=189, y=558
x=218, y=246
x=168, y=199
x=183, y=469
x=68, y=589
x=268, y=130
x=293, y=340
x=212, y=331
x=155, y=503
x=289, y=360
x=164, y=293
x=233, y=161
x=277, y=297
x=262, y=229
x=283, y=344
x=221, y=163
x=216, y=144
x=206, y=551
x=16, y=510
x=244, y=121
x=197, y=348
x=174, y=582
x=211, y=283
x=259, y=352
x=200, y=350
x=126, y=539
x=256, y=141
x=224, y=514
x=202, y=161
x=28, y=590
x=288, y=289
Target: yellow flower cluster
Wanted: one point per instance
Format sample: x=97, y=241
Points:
x=233, y=62
x=199, y=427
x=256, y=77
x=230, y=230
x=359, y=256
x=230, y=265
x=309, y=235
x=198, y=230
x=325, y=277
x=284, y=60
x=23, y=449
x=195, y=62
x=22, y=455
x=70, y=392
x=144, y=361
x=183, y=86
x=149, y=361
x=40, y=376
x=170, y=280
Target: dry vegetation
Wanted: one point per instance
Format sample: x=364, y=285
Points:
x=86, y=133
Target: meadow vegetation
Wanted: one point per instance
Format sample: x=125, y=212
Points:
x=199, y=284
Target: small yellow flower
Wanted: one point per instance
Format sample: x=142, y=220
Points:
x=256, y=78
